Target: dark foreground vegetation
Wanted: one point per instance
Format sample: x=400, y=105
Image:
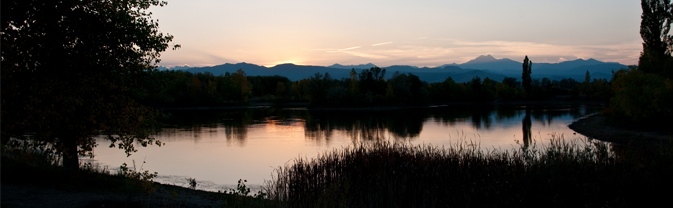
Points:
x=562, y=174
x=387, y=174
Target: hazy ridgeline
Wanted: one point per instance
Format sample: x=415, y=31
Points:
x=387, y=174
x=365, y=88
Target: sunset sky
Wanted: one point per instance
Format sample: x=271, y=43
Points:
x=392, y=32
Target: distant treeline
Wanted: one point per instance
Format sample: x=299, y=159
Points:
x=170, y=88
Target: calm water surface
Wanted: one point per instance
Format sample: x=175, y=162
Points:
x=219, y=147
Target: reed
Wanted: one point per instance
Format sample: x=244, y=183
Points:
x=389, y=174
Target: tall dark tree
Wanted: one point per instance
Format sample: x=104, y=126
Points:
x=657, y=42
x=655, y=25
x=525, y=76
x=69, y=69
x=643, y=94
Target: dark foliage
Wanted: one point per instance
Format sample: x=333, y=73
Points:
x=68, y=67
x=642, y=94
x=388, y=174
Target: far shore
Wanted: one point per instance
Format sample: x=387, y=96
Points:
x=304, y=105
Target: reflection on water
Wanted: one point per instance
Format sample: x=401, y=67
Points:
x=222, y=146
x=363, y=125
x=526, y=125
x=196, y=124
x=357, y=125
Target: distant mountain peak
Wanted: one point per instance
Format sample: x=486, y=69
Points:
x=176, y=67
x=286, y=64
x=484, y=58
x=506, y=59
x=488, y=59
x=360, y=66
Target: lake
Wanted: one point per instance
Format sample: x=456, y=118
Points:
x=219, y=147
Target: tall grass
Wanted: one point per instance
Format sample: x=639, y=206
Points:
x=31, y=153
x=389, y=174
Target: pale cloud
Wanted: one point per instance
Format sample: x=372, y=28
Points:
x=211, y=32
x=321, y=49
x=625, y=53
x=378, y=44
x=351, y=48
x=402, y=52
x=622, y=52
x=350, y=51
x=365, y=55
x=433, y=52
x=331, y=50
x=422, y=52
x=450, y=51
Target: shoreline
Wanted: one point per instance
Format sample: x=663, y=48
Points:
x=596, y=127
x=385, y=108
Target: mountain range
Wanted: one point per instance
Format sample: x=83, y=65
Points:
x=482, y=66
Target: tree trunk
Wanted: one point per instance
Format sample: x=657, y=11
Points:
x=70, y=156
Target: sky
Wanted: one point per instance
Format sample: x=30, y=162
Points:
x=396, y=32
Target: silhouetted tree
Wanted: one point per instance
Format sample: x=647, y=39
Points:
x=657, y=43
x=511, y=82
x=488, y=89
x=644, y=93
x=354, y=81
x=546, y=83
x=448, y=90
x=475, y=85
x=281, y=91
x=406, y=89
x=266, y=85
x=69, y=70
x=316, y=89
x=655, y=25
x=525, y=76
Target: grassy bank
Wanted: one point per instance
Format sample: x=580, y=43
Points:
x=386, y=174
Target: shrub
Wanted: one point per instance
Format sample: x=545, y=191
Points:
x=642, y=96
